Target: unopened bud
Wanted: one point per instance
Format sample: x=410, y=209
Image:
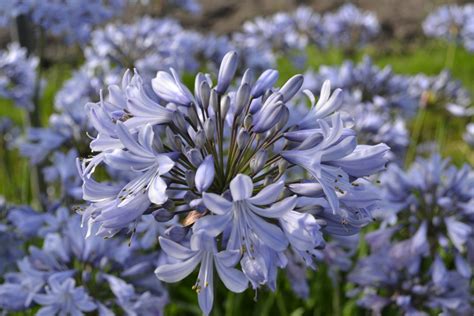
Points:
x=225, y=105
x=213, y=101
x=205, y=93
x=176, y=233
x=248, y=120
x=162, y=215
x=258, y=161
x=209, y=128
x=200, y=139
x=242, y=138
x=242, y=98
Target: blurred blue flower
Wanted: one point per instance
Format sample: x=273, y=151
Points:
x=63, y=297
x=442, y=91
x=18, y=76
x=421, y=257
x=47, y=276
x=453, y=23
x=349, y=26
x=71, y=20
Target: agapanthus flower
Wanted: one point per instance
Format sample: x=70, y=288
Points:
x=264, y=39
x=147, y=45
x=225, y=162
x=8, y=236
x=375, y=98
x=442, y=91
x=421, y=258
x=71, y=20
x=350, y=26
x=18, y=76
x=434, y=193
x=47, y=278
x=63, y=171
x=453, y=23
x=406, y=276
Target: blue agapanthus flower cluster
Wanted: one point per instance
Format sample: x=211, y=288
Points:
x=376, y=98
x=262, y=40
x=64, y=275
x=72, y=20
x=424, y=261
x=442, y=91
x=453, y=23
x=243, y=190
x=349, y=26
x=148, y=45
x=18, y=76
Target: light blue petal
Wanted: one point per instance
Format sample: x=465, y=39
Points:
x=241, y=187
x=276, y=210
x=205, y=174
x=174, y=249
x=212, y=225
x=271, y=235
x=216, y=203
x=232, y=278
x=269, y=194
x=175, y=272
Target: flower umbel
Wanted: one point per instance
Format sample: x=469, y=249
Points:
x=230, y=168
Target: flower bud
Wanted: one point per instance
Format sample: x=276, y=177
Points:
x=200, y=78
x=291, y=87
x=176, y=233
x=200, y=139
x=248, y=78
x=226, y=71
x=285, y=116
x=204, y=94
x=194, y=156
x=205, y=174
x=209, y=128
x=268, y=117
x=192, y=115
x=266, y=80
x=225, y=105
x=179, y=121
x=242, y=138
x=162, y=215
x=258, y=161
x=242, y=98
x=248, y=121
x=213, y=101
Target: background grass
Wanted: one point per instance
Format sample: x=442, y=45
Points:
x=325, y=298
